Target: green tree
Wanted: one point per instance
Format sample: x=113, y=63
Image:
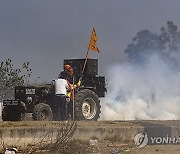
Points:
x=11, y=77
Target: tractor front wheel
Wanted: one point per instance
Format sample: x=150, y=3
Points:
x=42, y=112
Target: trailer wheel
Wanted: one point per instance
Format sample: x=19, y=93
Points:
x=11, y=113
x=42, y=112
x=87, y=105
x=6, y=114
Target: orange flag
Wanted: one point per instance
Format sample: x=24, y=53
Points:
x=92, y=43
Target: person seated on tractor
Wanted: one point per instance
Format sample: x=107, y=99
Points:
x=71, y=77
x=61, y=87
x=70, y=73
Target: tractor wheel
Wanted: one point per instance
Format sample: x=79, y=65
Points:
x=87, y=105
x=11, y=113
x=42, y=112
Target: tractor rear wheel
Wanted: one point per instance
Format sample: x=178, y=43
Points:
x=42, y=112
x=86, y=105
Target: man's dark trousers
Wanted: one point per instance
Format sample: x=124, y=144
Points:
x=62, y=105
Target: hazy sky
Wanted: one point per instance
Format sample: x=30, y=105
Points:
x=44, y=32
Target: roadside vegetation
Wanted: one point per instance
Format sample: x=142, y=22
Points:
x=11, y=77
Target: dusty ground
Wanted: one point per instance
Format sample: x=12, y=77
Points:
x=107, y=146
x=78, y=147
x=130, y=123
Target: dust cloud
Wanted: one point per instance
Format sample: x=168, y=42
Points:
x=148, y=91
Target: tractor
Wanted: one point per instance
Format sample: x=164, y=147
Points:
x=39, y=99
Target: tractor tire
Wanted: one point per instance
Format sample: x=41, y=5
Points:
x=42, y=112
x=6, y=114
x=86, y=105
x=11, y=113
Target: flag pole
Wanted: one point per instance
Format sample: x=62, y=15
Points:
x=85, y=62
x=73, y=98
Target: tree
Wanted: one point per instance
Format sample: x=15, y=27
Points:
x=170, y=37
x=11, y=77
x=143, y=44
x=146, y=43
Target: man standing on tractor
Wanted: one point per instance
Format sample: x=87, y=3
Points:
x=61, y=87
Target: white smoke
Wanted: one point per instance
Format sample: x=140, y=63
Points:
x=151, y=91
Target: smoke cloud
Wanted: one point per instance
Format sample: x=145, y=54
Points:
x=148, y=91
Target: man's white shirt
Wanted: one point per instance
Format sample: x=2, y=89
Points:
x=61, y=86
